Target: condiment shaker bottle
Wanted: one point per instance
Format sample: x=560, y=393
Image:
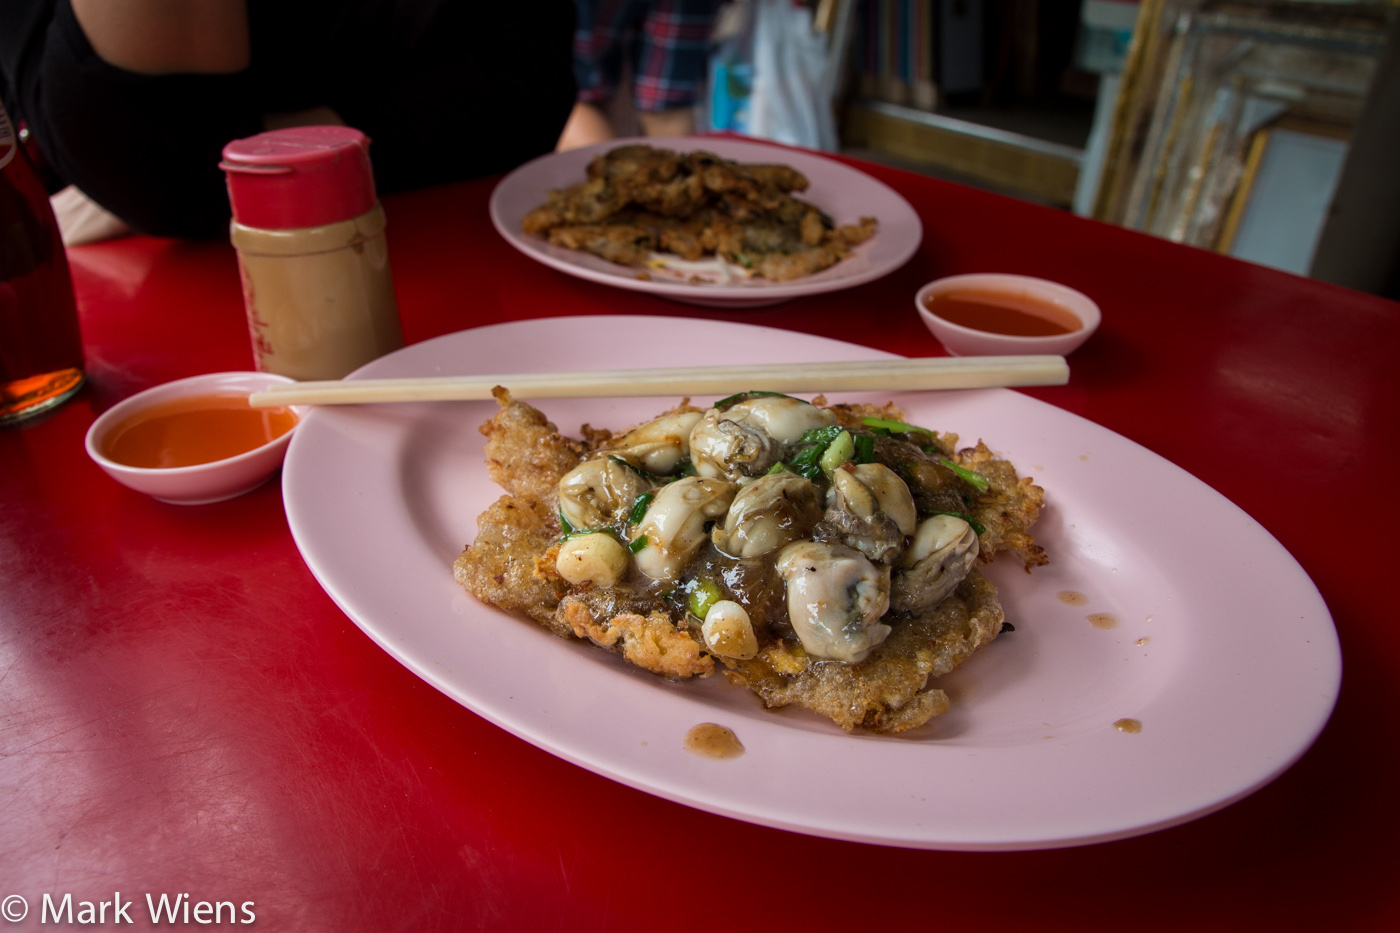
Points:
x=312, y=254
x=41, y=347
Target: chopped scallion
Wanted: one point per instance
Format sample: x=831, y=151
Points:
x=839, y=451
x=820, y=435
x=703, y=594
x=976, y=480
x=976, y=525
x=741, y=396
x=639, y=508
x=900, y=427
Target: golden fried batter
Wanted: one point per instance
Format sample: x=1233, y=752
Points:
x=639, y=201
x=511, y=565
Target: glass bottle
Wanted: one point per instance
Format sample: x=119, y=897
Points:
x=41, y=348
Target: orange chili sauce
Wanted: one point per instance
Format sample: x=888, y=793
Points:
x=199, y=429
x=1002, y=313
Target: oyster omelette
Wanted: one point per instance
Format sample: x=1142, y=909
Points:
x=823, y=556
x=696, y=216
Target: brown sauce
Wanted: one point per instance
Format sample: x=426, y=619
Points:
x=1071, y=598
x=1015, y=315
x=709, y=740
x=1130, y=726
x=1103, y=620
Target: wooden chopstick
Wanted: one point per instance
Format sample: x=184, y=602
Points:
x=892, y=375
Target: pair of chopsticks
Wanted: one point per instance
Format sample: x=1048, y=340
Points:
x=893, y=375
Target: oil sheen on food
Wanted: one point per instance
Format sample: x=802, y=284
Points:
x=195, y=430
x=1015, y=315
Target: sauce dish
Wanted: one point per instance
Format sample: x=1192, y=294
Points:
x=1008, y=311
x=195, y=440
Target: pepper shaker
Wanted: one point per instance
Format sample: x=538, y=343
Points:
x=312, y=254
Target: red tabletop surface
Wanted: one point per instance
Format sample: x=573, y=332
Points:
x=186, y=711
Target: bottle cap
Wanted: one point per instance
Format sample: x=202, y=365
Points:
x=305, y=176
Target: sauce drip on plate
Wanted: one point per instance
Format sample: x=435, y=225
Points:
x=710, y=740
x=199, y=429
x=1003, y=313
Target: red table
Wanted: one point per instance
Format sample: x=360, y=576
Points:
x=184, y=709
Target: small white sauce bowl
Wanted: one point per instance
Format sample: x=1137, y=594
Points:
x=966, y=341
x=204, y=482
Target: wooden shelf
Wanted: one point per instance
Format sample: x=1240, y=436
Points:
x=1012, y=162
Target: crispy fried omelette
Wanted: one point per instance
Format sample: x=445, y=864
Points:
x=639, y=201
x=824, y=556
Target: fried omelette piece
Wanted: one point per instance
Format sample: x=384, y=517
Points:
x=639, y=200
x=511, y=566
x=888, y=691
x=623, y=244
x=525, y=455
x=590, y=202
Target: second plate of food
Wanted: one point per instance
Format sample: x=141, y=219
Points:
x=843, y=194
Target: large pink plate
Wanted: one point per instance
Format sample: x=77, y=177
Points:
x=1219, y=644
x=844, y=193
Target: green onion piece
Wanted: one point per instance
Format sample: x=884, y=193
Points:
x=589, y=531
x=639, y=508
x=741, y=396
x=976, y=480
x=634, y=468
x=779, y=467
x=567, y=528
x=807, y=456
x=820, y=435
x=841, y=450
x=865, y=448
x=638, y=544
x=900, y=427
x=977, y=526
x=703, y=595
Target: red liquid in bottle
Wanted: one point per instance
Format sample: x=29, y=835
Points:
x=41, y=349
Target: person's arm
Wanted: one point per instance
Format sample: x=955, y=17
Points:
x=155, y=37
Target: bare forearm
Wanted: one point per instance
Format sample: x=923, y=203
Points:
x=167, y=36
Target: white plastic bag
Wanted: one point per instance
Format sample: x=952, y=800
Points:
x=790, y=101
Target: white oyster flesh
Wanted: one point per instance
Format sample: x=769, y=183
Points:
x=674, y=524
x=728, y=631
x=660, y=445
x=769, y=512
x=892, y=495
x=872, y=509
x=599, y=492
x=940, y=557
x=836, y=598
x=747, y=437
x=783, y=419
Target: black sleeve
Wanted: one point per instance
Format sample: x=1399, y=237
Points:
x=486, y=87
x=445, y=90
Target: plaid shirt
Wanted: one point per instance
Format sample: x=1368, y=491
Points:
x=666, y=43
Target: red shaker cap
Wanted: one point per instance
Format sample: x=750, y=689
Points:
x=304, y=176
